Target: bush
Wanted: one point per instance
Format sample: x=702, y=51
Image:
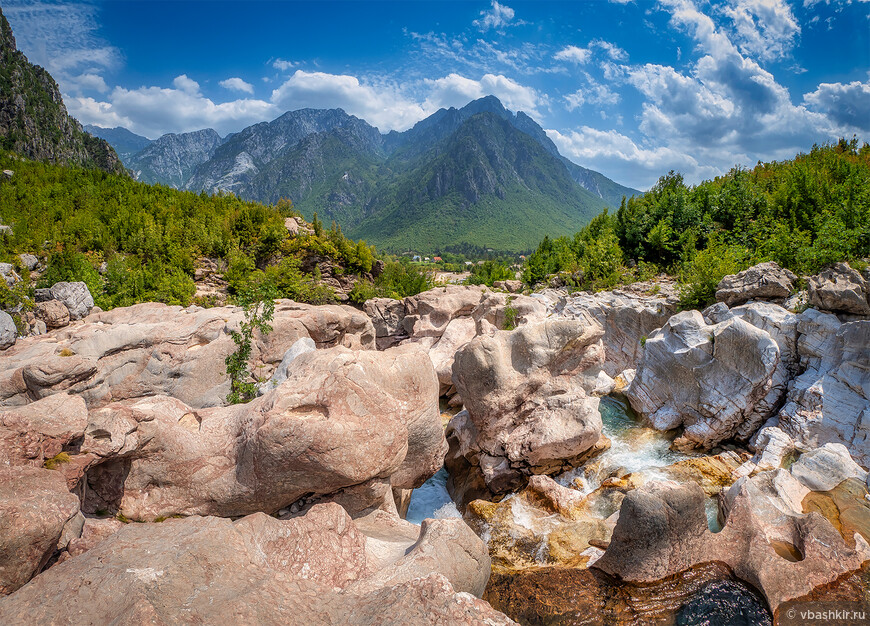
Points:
x=700, y=276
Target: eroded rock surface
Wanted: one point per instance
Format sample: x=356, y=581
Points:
x=529, y=400
x=840, y=289
x=349, y=424
x=765, y=281
x=152, y=349
x=707, y=378
x=311, y=569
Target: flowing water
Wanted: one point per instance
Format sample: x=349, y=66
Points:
x=432, y=500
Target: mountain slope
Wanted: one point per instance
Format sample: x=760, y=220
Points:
x=236, y=164
x=172, y=158
x=486, y=183
x=125, y=143
x=33, y=119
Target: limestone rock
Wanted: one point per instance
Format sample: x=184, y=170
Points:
x=528, y=397
x=29, y=261
x=840, y=289
x=766, y=540
x=54, y=313
x=303, y=345
x=765, y=281
x=830, y=401
x=707, y=378
x=627, y=315
x=76, y=297
x=38, y=431
x=8, y=331
x=153, y=349
x=511, y=286
x=311, y=569
x=35, y=506
x=824, y=468
x=8, y=274
x=386, y=315
x=348, y=425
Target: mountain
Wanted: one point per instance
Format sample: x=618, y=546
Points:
x=33, y=119
x=125, y=143
x=237, y=165
x=486, y=183
x=171, y=159
x=480, y=175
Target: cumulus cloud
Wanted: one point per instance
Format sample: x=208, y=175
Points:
x=153, y=111
x=497, y=17
x=622, y=158
x=611, y=50
x=845, y=104
x=581, y=56
x=455, y=90
x=766, y=29
x=237, y=84
x=383, y=106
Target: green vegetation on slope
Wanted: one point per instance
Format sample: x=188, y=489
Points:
x=802, y=213
x=151, y=236
x=486, y=184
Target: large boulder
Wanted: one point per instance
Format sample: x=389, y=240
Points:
x=627, y=316
x=8, y=274
x=387, y=315
x=706, y=378
x=765, y=281
x=35, y=507
x=824, y=468
x=53, y=313
x=829, y=402
x=8, y=331
x=529, y=399
x=346, y=426
x=154, y=349
x=257, y=570
x=75, y=296
x=840, y=289
x=767, y=540
x=36, y=432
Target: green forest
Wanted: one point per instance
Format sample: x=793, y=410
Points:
x=150, y=237
x=804, y=213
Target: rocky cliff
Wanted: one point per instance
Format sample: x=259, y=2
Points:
x=33, y=119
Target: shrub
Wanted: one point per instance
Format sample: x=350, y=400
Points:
x=258, y=304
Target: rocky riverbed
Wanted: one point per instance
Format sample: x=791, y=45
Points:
x=607, y=459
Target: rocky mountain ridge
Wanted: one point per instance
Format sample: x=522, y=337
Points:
x=344, y=169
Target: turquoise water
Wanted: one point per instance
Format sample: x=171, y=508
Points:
x=431, y=500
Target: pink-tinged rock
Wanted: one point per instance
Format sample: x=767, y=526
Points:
x=53, y=312
x=153, y=349
x=35, y=507
x=38, y=431
x=352, y=424
x=528, y=397
x=766, y=540
x=258, y=570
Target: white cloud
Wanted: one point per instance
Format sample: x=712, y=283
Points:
x=622, y=158
x=237, y=84
x=185, y=84
x=383, y=106
x=62, y=38
x=573, y=54
x=613, y=51
x=283, y=65
x=498, y=17
x=455, y=90
x=766, y=29
x=153, y=111
x=845, y=104
x=87, y=82
x=593, y=93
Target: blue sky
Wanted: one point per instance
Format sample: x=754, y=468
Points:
x=629, y=88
